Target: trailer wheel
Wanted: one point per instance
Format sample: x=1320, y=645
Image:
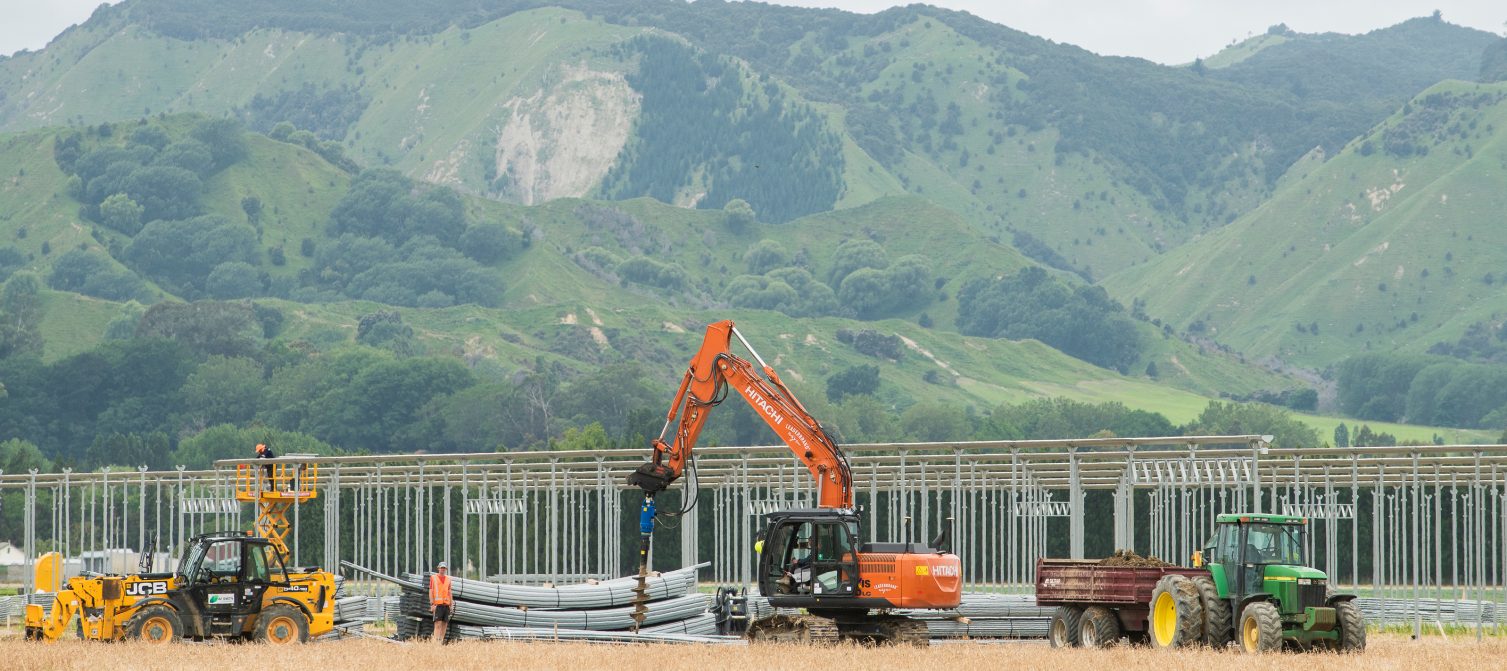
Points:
x=1260, y=628
x=1352, y=627
x=1177, y=618
x=1063, y=632
x=1099, y=628
x=156, y=624
x=282, y=624
x=1218, y=628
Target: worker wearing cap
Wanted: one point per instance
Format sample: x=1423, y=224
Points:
x=440, y=601
x=265, y=452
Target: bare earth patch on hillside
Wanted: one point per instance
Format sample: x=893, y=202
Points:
x=560, y=141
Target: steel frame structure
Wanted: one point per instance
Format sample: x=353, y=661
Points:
x=1431, y=519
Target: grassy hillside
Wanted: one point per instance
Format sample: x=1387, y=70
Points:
x=1090, y=164
x=1392, y=244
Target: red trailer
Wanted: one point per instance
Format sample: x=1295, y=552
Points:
x=1097, y=604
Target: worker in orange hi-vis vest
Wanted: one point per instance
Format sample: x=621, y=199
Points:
x=440, y=601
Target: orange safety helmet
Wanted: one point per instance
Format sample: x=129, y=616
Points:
x=261, y=447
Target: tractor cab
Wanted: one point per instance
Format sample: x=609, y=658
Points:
x=1264, y=554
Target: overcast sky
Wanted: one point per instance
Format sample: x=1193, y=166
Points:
x=1166, y=31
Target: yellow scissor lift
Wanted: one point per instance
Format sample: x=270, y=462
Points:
x=289, y=484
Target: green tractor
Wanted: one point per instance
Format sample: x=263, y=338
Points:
x=1263, y=595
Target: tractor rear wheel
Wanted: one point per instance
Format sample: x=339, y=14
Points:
x=282, y=624
x=1217, y=626
x=1099, y=628
x=1177, y=618
x=1063, y=631
x=156, y=624
x=1352, y=627
x=1260, y=628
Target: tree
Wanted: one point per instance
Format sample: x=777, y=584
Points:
x=163, y=191
x=121, y=213
x=191, y=155
x=379, y=409
x=852, y=381
x=184, y=253
x=226, y=139
x=385, y=329
x=209, y=327
x=1234, y=419
x=227, y=441
x=489, y=242
x=233, y=279
x=222, y=390
x=865, y=291
x=853, y=255
x=1342, y=435
x=252, y=206
x=739, y=214
x=21, y=312
x=765, y=256
x=935, y=422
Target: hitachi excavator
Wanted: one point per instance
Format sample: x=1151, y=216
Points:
x=810, y=558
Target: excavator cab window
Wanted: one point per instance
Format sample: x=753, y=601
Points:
x=834, y=563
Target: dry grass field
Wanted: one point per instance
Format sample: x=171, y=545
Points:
x=1386, y=652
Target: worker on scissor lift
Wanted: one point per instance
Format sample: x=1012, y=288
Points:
x=263, y=451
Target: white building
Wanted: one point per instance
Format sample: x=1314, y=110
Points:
x=11, y=555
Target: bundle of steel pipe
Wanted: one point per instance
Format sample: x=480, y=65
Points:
x=602, y=594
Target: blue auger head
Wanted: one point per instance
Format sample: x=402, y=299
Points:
x=646, y=517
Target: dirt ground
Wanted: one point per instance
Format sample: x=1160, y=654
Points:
x=1386, y=652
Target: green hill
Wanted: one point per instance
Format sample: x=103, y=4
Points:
x=1091, y=164
x=1391, y=244
x=552, y=284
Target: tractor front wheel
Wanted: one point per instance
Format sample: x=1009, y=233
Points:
x=1260, y=628
x=156, y=624
x=1352, y=627
x=1063, y=630
x=282, y=624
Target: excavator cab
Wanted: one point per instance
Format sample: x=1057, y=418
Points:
x=809, y=557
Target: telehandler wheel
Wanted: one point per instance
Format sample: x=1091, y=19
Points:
x=1218, y=629
x=1063, y=630
x=1260, y=628
x=1352, y=627
x=1177, y=615
x=282, y=624
x=156, y=624
x=1099, y=628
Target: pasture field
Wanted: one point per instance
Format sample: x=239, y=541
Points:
x=1386, y=652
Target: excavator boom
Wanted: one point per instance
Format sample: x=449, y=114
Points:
x=713, y=370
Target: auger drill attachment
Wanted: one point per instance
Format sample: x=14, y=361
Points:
x=641, y=591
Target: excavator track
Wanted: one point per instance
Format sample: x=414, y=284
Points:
x=794, y=629
x=903, y=630
x=875, y=630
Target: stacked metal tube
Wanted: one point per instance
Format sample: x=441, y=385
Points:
x=590, y=611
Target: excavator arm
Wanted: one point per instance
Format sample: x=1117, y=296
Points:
x=713, y=371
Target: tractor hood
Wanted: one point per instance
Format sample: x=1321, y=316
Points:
x=1284, y=572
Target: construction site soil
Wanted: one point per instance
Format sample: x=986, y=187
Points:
x=1130, y=558
x=1386, y=652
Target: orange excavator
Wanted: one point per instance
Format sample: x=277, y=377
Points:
x=811, y=558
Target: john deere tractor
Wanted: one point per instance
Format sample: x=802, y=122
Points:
x=1260, y=593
